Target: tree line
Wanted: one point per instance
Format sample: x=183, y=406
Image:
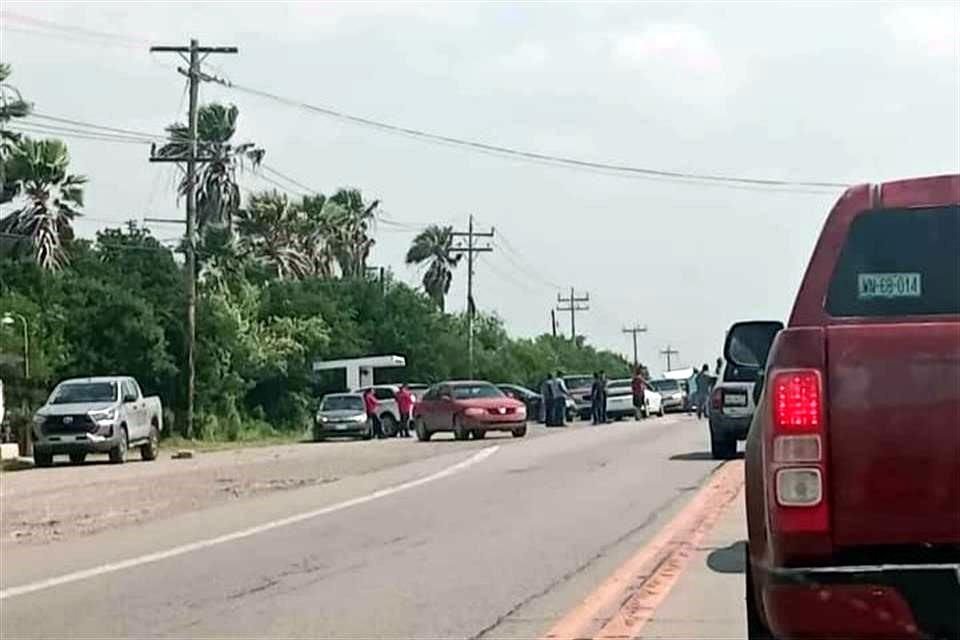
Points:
x=283, y=281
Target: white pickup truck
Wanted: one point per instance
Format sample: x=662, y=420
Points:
x=97, y=415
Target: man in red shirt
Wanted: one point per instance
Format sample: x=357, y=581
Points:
x=639, y=386
x=405, y=406
x=370, y=403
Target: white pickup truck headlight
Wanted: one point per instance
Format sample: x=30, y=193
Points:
x=104, y=418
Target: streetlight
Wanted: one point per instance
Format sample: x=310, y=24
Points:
x=10, y=318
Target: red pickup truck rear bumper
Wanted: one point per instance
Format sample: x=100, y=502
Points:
x=869, y=602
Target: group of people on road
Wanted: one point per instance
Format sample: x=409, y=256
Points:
x=554, y=392
x=405, y=403
x=704, y=383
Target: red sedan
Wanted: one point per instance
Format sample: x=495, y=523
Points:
x=468, y=408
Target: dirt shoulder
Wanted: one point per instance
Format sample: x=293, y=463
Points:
x=40, y=506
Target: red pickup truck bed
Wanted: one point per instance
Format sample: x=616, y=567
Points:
x=853, y=459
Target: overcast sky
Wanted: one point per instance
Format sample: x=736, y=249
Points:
x=814, y=91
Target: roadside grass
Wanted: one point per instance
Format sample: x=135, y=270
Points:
x=177, y=442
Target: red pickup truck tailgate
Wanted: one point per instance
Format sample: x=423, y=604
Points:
x=894, y=433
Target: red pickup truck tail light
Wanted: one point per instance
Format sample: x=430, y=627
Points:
x=716, y=399
x=799, y=465
x=798, y=400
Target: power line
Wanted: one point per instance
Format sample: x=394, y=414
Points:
x=80, y=136
x=40, y=23
x=99, y=243
x=54, y=128
x=691, y=177
x=90, y=125
x=683, y=177
x=296, y=183
x=515, y=257
x=507, y=277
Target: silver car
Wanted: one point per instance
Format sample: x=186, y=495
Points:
x=342, y=415
x=673, y=393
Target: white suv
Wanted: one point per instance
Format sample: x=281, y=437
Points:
x=731, y=409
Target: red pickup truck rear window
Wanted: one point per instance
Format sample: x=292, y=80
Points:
x=899, y=262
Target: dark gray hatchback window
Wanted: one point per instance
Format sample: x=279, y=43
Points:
x=898, y=263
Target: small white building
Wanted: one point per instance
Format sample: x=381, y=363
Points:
x=360, y=370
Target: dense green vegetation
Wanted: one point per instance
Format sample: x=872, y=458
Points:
x=283, y=281
x=117, y=307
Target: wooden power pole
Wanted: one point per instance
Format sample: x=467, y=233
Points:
x=194, y=76
x=669, y=351
x=635, y=329
x=574, y=303
x=470, y=250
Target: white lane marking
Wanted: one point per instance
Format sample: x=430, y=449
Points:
x=120, y=565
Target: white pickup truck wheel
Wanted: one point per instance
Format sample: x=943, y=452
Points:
x=150, y=450
x=118, y=455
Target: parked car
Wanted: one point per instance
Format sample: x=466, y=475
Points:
x=386, y=395
x=534, y=401
x=620, y=400
x=731, y=408
x=417, y=389
x=530, y=399
x=853, y=457
x=342, y=415
x=579, y=387
x=468, y=407
x=97, y=415
x=672, y=393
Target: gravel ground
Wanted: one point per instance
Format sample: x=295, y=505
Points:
x=39, y=506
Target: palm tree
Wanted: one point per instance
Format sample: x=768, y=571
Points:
x=218, y=193
x=316, y=233
x=12, y=105
x=270, y=228
x=53, y=198
x=349, y=220
x=435, y=244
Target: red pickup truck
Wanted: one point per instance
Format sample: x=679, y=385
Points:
x=853, y=456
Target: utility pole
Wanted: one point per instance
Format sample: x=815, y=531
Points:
x=575, y=303
x=669, y=351
x=553, y=322
x=470, y=249
x=635, y=329
x=194, y=76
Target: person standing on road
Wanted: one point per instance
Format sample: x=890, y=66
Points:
x=405, y=406
x=370, y=403
x=639, y=387
x=602, y=415
x=546, y=400
x=559, y=403
x=596, y=393
x=703, y=391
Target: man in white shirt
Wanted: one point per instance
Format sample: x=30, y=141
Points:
x=559, y=402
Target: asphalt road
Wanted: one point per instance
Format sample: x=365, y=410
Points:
x=494, y=542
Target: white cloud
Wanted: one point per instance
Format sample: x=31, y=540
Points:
x=934, y=29
x=682, y=45
x=527, y=56
x=677, y=60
